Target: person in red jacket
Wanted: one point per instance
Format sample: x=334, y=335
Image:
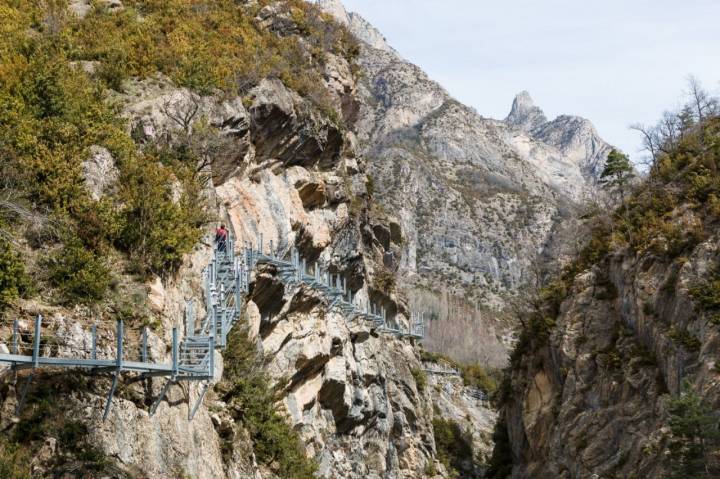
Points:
x=221, y=236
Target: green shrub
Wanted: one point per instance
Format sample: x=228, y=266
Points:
x=160, y=224
x=454, y=446
x=14, y=282
x=252, y=402
x=684, y=338
x=420, y=378
x=79, y=273
x=707, y=293
x=218, y=46
x=46, y=415
x=694, y=436
x=475, y=376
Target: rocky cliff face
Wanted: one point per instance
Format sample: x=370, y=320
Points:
x=593, y=402
x=616, y=373
x=480, y=201
x=282, y=170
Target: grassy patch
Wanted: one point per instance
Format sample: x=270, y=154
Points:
x=14, y=461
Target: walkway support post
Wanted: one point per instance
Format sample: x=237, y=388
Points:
x=118, y=367
x=35, y=363
x=144, y=351
x=175, y=366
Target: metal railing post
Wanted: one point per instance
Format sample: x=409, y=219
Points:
x=118, y=366
x=211, y=359
x=15, y=337
x=120, y=335
x=190, y=318
x=36, y=342
x=93, y=350
x=175, y=367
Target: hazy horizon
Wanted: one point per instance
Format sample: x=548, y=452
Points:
x=615, y=64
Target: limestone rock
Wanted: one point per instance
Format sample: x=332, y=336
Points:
x=156, y=296
x=593, y=398
x=158, y=110
x=99, y=172
x=282, y=130
x=525, y=114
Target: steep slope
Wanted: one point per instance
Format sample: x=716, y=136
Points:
x=616, y=372
x=479, y=200
x=235, y=118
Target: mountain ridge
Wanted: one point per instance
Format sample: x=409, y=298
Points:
x=482, y=201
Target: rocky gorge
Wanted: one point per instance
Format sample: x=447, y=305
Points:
x=297, y=125
x=483, y=203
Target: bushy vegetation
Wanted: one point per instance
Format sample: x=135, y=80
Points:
x=454, y=447
x=14, y=282
x=420, y=378
x=253, y=405
x=80, y=274
x=707, y=292
x=210, y=45
x=476, y=376
x=473, y=375
x=158, y=229
x=52, y=111
x=694, y=435
x=14, y=461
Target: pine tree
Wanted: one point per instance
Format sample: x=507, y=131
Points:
x=694, y=435
x=617, y=173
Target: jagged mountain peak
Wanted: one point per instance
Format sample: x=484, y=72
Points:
x=524, y=113
x=523, y=102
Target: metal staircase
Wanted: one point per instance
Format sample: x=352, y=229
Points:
x=226, y=281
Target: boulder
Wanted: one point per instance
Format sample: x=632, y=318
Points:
x=99, y=172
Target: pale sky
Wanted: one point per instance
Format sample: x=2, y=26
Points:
x=615, y=62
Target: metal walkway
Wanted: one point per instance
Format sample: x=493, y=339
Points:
x=295, y=271
x=226, y=284
x=192, y=359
